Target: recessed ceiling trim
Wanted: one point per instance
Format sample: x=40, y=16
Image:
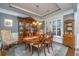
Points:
x=52, y=12
x=11, y=5
x=20, y=8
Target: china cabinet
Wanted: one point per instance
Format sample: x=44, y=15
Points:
x=25, y=27
x=69, y=39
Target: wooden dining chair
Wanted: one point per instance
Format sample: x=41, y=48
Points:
x=7, y=39
x=39, y=45
x=48, y=41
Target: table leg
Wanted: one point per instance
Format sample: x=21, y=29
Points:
x=51, y=47
x=44, y=51
x=30, y=49
x=48, y=48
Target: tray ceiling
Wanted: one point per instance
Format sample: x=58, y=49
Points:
x=38, y=9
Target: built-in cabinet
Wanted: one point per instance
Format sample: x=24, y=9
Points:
x=69, y=38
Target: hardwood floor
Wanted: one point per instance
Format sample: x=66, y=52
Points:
x=70, y=52
x=3, y=53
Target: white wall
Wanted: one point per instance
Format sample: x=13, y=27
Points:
x=57, y=17
x=76, y=16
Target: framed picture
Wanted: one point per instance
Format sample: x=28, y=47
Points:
x=8, y=23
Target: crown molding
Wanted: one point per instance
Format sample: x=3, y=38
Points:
x=5, y=11
x=17, y=7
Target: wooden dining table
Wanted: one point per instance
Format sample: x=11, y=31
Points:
x=30, y=41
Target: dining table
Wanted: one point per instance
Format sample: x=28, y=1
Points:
x=30, y=41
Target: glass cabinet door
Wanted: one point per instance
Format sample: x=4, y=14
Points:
x=68, y=27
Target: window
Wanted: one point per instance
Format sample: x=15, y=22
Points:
x=57, y=27
x=54, y=27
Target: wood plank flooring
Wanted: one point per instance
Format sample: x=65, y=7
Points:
x=3, y=53
x=70, y=52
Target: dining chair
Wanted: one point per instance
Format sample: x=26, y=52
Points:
x=39, y=45
x=48, y=41
x=7, y=39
